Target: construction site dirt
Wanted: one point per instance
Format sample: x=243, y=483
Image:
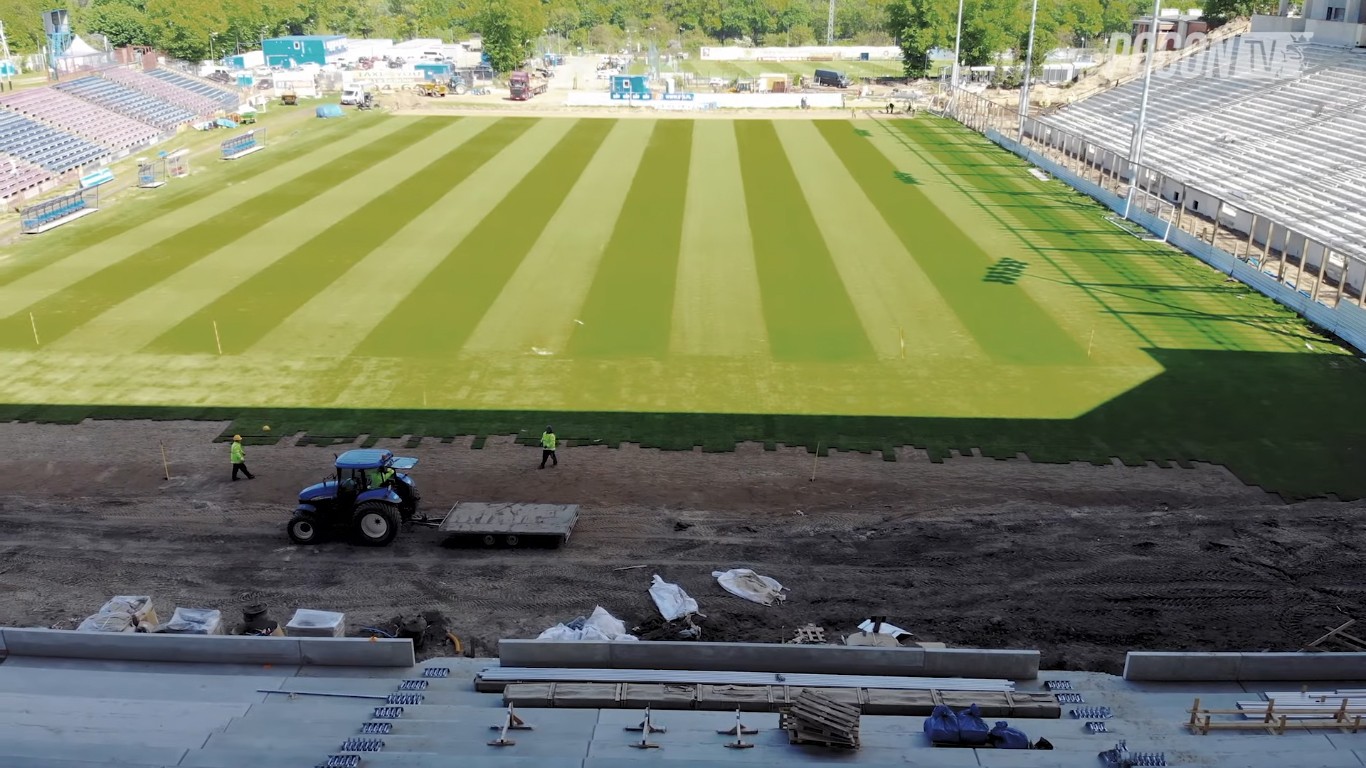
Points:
x=1082, y=562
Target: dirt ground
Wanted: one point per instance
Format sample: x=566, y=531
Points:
x=1082, y=562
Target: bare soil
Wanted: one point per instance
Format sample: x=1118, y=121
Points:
x=1083, y=562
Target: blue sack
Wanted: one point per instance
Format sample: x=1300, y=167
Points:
x=942, y=726
x=1005, y=737
x=972, y=729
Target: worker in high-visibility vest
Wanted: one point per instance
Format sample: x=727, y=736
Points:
x=239, y=459
x=548, y=442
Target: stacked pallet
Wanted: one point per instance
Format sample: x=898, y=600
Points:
x=817, y=719
x=1308, y=705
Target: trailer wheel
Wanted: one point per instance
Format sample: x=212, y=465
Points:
x=489, y=539
x=512, y=539
x=375, y=524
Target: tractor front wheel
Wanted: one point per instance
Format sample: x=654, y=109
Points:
x=302, y=530
x=375, y=524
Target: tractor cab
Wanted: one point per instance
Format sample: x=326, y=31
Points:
x=371, y=493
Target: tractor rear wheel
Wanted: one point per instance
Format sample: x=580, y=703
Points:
x=375, y=523
x=302, y=529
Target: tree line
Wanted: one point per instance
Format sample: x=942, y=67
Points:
x=513, y=29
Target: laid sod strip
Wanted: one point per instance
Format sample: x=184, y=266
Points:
x=1162, y=294
x=81, y=301
x=903, y=315
x=131, y=214
x=1006, y=322
x=137, y=322
x=440, y=313
x=555, y=276
x=378, y=285
x=717, y=310
x=253, y=309
x=629, y=310
x=808, y=313
x=178, y=223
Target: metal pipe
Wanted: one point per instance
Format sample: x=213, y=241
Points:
x=1029, y=70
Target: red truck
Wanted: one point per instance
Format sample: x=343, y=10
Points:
x=522, y=85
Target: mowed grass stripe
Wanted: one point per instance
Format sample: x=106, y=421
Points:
x=556, y=274
x=77, y=303
x=1005, y=321
x=807, y=310
x=363, y=213
x=241, y=287
x=338, y=318
x=439, y=314
x=178, y=223
x=1163, y=295
x=629, y=309
x=144, y=206
x=892, y=295
x=717, y=309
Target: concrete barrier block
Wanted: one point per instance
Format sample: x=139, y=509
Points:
x=1302, y=666
x=144, y=647
x=356, y=652
x=1182, y=667
x=976, y=662
x=542, y=653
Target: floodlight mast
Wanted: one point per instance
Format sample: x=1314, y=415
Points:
x=1028, y=70
x=957, y=44
x=1136, y=148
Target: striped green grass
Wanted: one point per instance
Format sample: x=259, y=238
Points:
x=860, y=285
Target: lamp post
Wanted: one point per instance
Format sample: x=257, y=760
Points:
x=1029, y=70
x=957, y=46
x=1136, y=148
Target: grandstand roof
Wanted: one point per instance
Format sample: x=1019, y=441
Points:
x=1285, y=140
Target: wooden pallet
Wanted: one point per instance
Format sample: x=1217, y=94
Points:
x=817, y=719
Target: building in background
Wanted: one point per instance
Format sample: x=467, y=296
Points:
x=294, y=50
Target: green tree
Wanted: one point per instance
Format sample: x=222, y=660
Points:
x=508, y=28
x=182, y=28
x=122, y=23
x=920, y=26
x=1221, y=11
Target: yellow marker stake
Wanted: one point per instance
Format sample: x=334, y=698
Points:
x=166, y=465
x=901, y=334
x=1091, y=342
x=34, y=323
x=216, y=339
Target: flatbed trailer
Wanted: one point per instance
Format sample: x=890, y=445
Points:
x=509, y=523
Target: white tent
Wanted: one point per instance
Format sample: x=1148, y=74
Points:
x=80, y=49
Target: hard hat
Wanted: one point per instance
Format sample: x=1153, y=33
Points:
x=237, y=438
x=549, y=428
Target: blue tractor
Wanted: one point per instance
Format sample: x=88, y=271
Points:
x=370, y=496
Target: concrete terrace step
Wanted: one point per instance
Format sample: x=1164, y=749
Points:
x=294, y=758
x=435, y=720
x=19, y=753
x=115, y=685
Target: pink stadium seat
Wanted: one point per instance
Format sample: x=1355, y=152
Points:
x=18, y=176
x=152, y=86
x=80, y=117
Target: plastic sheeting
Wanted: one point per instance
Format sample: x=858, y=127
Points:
x=673, y=603
x=123, y=613
x=742, y=582
x=195, y=621
x=600, y=626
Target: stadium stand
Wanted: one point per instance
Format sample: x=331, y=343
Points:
x=190, y=96
x=225, y=98
x=61, y=110
x=42, y=145
x=1290, y=146
x=18, y=176
x=127, y=101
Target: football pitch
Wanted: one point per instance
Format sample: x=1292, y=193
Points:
x=854, y=284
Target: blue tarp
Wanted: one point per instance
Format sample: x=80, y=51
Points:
x=329, y=110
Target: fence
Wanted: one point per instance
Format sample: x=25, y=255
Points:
x=1317, y=279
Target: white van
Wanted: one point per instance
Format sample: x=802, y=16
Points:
x=352, y=95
